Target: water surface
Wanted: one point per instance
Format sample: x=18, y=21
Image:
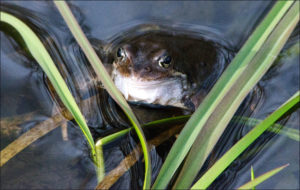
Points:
x=52, y=162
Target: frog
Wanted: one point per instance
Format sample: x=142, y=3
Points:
x=165, y=67
x=144, y=72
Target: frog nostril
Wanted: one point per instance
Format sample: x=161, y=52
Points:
x=147, y=69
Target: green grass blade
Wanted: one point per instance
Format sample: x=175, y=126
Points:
x=217, y=97
x=262, y=178
x=243, y=143
x=40, y=54
x=218, y=120
x=114, y=136
x=106, y=81
x=252, y=176
x=170, y=120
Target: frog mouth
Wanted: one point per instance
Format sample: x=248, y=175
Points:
x=167, y=91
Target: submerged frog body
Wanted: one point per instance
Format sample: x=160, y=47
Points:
x=165, y=68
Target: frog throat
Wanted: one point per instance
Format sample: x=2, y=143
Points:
x=168, y=91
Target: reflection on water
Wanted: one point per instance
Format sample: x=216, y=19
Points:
x=53, y=162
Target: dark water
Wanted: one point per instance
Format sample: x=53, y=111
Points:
x=51, y=162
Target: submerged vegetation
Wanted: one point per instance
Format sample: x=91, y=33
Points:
x=205, y=126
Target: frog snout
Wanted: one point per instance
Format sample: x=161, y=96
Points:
x=146, y=69
x=142, y=70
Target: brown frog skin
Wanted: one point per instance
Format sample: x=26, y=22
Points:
x=164, y=68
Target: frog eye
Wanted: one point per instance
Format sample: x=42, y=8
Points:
x=121, y=53
x=165, y=61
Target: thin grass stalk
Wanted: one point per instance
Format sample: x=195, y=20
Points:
x=104, y=77
x=172, y=120
x=291, y=133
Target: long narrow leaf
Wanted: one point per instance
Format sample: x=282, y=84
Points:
x=291, y=133
x=215, y=98
x=106, y=81
x=243, y=143
x=176, y=120
x=262, y=178
x=40, y=54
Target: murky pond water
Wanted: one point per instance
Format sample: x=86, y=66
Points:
x=60, y=161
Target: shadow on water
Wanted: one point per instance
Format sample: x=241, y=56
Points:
x=53, y=162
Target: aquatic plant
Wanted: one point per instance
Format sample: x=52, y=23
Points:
x=208, y=122
x=211, y=118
